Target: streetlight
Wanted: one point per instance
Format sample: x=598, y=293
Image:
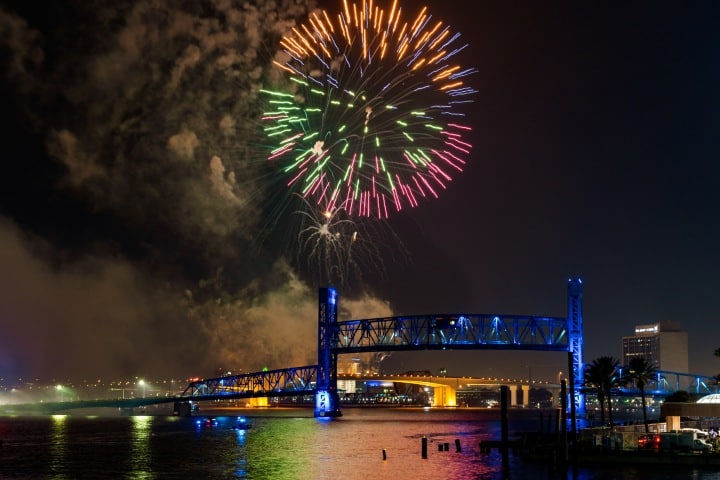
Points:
x=142, y=384
x=119, y=389
x=59, y=388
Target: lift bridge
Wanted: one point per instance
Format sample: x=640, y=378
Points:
x=404, y=333
x=425, y=332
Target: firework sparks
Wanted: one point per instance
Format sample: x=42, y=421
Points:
x=339, y=248
x=327, y=239
x=373, y=121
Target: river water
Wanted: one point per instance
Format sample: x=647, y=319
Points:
x=285, y=444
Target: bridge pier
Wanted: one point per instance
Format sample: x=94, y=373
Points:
x=513, y=395
x=444, y=396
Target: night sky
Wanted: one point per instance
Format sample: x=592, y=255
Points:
x=142, y=232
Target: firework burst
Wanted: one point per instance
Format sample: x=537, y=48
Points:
x=338, y=248
x=373, y=120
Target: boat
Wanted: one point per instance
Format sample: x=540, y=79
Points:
x=236, y=423
x=241, y=424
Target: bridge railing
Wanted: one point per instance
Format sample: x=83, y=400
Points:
x=286, y=381
x=452, y=332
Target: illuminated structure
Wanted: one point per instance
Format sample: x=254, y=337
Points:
x=407, y=333
x=401, y=333
x=663, y=345
x=445, y=332
x=327, y=402
x=428, y=332
x=351, y=367
x=575, y=343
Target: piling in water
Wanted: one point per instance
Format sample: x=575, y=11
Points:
x=424, y=447
x=504, y=425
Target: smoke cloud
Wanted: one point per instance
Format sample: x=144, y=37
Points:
x=137, y=250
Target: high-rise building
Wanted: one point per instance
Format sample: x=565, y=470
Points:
x=664, y=345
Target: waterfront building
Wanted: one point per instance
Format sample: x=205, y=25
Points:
x=664, y=345
x=347, y=365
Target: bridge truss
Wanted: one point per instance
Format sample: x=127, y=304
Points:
x=664, y=382
x=441, y=332
x=425, y=332
x=283, y=382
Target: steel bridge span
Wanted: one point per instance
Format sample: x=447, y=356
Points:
x=426, y=332
x=406, y=333
x=302, y=381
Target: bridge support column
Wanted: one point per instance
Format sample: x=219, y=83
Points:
x=327, y=401
x=513, y=395
x=526, y=395
x=444, y=396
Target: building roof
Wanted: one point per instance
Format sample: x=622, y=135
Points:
x=689, y=409
x=712, y=398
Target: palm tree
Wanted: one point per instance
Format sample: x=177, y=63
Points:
x=640, y=372
x=601, y=375
x=592, y=382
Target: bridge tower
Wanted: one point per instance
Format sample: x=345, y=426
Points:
x=575, y=343
x=327, y=401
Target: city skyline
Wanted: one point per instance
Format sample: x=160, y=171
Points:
x=143, y=234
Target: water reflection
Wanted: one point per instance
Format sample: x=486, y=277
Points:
x=363, y=444
x=278, y=450
x=58, y=446
x=140, y=448
x=241, y=470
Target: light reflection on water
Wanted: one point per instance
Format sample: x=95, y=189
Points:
x=141, y=448
x=283, y=444
x=58, y=445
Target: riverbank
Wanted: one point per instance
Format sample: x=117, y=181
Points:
x=639, y=457
x=604, y=446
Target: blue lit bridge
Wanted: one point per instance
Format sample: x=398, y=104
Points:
x=427, y=332
x=409, y=333
x=301, y=381
x=405, y=333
